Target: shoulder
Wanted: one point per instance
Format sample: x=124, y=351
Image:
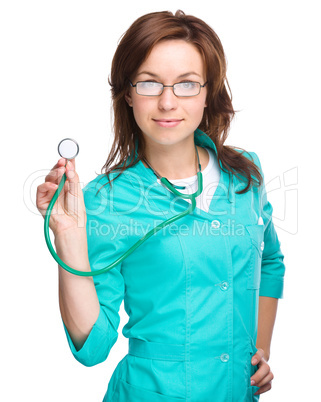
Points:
x=117, y=192
x=94, y=185
x=102, y=200
x=99, y=188
x=252, y=156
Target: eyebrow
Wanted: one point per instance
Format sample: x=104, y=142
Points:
x=180, y=76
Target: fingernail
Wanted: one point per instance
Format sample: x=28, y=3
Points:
x=252, y=382
x=254, y=361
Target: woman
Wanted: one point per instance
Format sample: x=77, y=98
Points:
x=201, y=294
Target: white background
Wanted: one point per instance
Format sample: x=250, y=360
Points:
x=55, y=62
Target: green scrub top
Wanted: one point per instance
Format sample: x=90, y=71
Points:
x=191, y=291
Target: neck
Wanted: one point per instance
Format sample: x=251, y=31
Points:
x=175, y=161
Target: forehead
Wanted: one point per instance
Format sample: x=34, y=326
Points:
x=173, y=58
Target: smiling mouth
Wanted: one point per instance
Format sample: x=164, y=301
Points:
x=168, y=123
x=167, y=120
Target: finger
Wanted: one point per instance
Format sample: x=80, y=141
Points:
x=61, y=162
x=262, y=372
x=257, y=357
x=268, y=378
x=54, y=176
x=44, y=188
x=263, y=389
x=45, y=192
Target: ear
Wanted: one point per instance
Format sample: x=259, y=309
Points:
x=128, y=99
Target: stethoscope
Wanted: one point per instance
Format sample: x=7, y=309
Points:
x=68, y=149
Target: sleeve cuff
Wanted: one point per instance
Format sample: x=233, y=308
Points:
x=271, y=288
x=89, y=354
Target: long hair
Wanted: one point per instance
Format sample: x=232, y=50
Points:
x=134, y=47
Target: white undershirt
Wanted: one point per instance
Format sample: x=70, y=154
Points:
x=211, y=178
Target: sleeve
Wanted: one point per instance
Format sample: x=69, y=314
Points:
x=103, y=249
x=273, y=268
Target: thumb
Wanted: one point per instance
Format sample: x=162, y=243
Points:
x=72, y=162
x=71, y=170
x=257, y=356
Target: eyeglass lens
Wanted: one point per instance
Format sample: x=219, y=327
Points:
x=151, y=88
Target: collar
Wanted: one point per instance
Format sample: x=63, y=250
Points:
x=203, y=140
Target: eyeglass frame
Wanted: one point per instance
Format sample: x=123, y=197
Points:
x=170, y=86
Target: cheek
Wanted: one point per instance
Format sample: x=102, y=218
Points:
x=141, y=105
x=138, y=110
x=196, y=109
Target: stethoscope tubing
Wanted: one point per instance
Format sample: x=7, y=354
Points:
x=136, y=245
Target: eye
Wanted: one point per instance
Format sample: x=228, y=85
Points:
x=149, y=84
x=188, y=84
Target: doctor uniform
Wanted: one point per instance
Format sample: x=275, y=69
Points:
x=191, y=291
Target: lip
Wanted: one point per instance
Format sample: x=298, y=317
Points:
x=168, y=122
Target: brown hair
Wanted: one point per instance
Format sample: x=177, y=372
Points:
x=134, y=47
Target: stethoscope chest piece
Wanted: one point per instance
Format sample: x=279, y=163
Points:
x=68, y=148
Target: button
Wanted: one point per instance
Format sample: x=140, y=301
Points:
x=215, y=224
x=262, y=245
x=224, y=285
x=225, y=357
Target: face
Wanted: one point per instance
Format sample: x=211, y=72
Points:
x=168, y=119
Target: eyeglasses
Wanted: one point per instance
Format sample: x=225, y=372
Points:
x=153, y=88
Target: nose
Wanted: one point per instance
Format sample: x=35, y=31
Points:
x=167, y=100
